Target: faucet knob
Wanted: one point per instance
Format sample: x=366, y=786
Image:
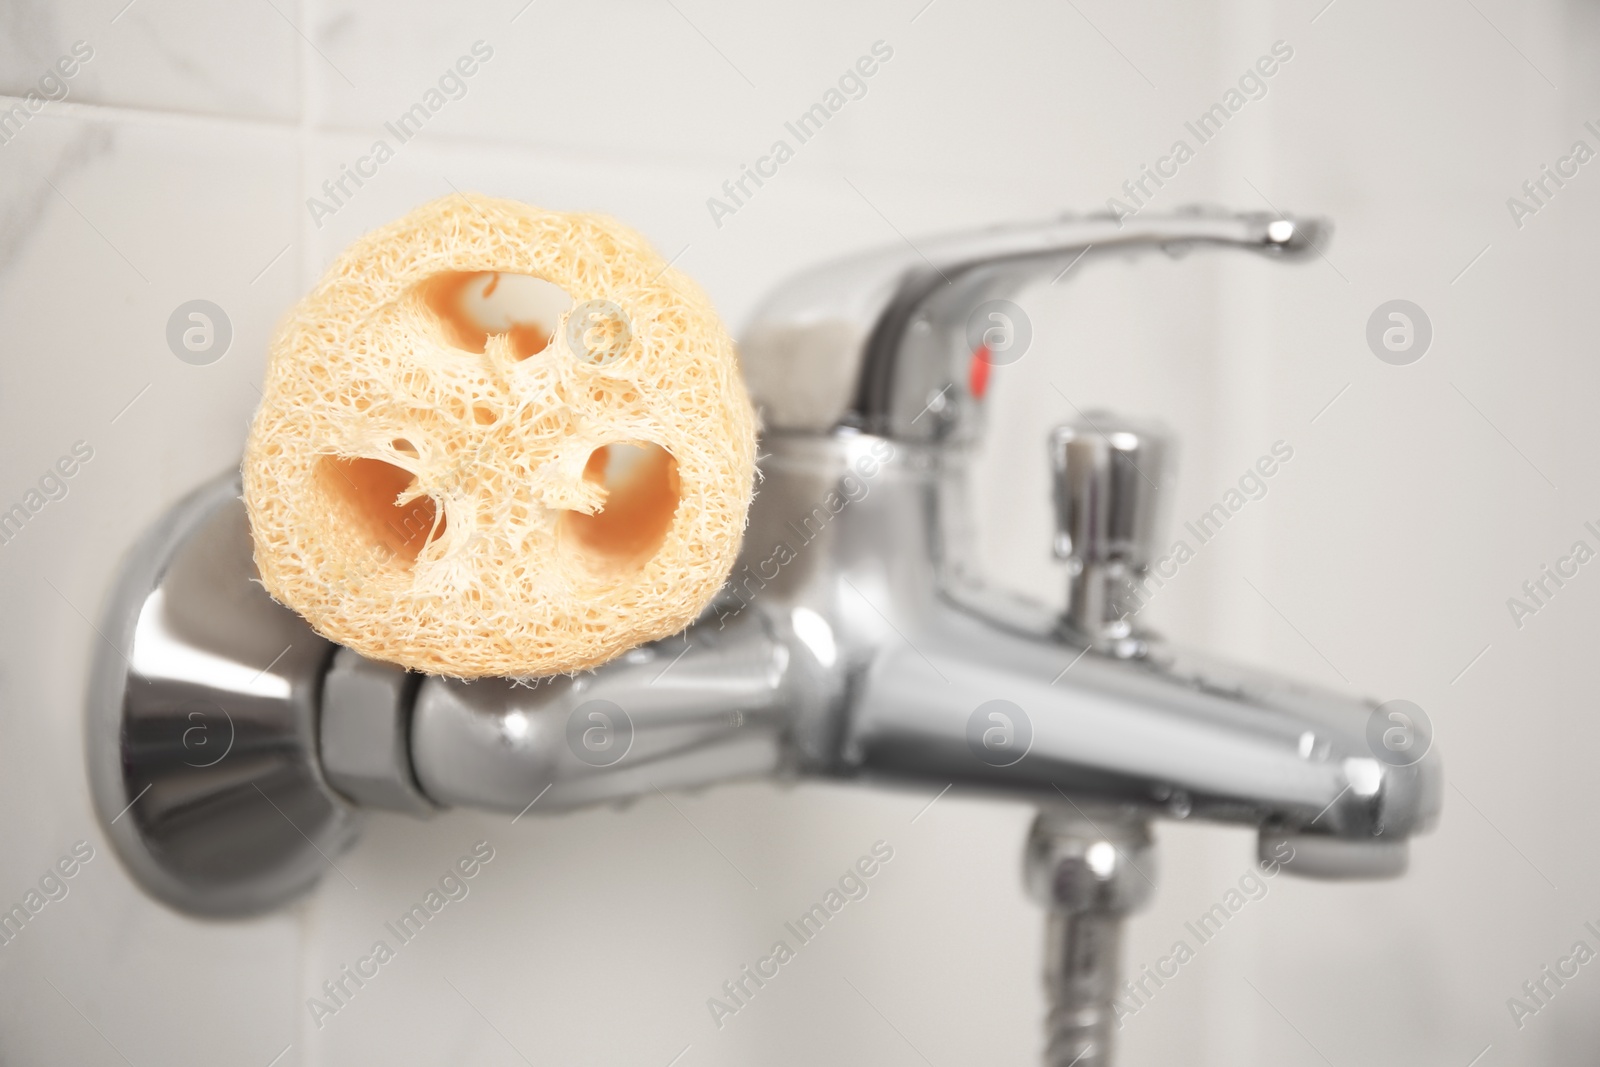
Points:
x=1106, y=473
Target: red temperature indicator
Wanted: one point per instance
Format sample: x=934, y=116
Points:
x=978, y=372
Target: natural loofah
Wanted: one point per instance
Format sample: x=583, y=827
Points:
x=496, y=440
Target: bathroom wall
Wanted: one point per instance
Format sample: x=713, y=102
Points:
x=187, y=161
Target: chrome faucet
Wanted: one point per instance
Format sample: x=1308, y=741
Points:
x=231, y=748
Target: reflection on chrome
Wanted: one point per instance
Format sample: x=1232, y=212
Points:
x=159, y=654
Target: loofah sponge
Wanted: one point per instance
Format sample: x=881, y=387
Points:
x=496, y=440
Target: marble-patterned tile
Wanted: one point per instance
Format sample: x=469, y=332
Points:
x=165, y=55
x=106, y=227
x=1392, y=541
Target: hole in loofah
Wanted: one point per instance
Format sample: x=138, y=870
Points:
x=472, y=307
x=483, y=414
x=528, y=339
x=369, y=488
x=642, y=494
x=404, y=447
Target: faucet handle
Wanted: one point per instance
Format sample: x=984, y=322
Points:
x=1106, y=473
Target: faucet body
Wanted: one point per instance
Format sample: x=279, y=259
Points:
x=835, y=651
x=231, y=748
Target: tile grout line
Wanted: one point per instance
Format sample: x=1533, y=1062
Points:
x=91, y=111
x=307, y=918
x=305, y=135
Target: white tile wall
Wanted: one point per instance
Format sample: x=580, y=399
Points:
x=236, y=60
x=179, y=165
x=110, y=221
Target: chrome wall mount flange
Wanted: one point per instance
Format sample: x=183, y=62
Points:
x=202, y=725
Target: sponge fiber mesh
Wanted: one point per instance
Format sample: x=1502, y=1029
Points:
x=473, y=497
